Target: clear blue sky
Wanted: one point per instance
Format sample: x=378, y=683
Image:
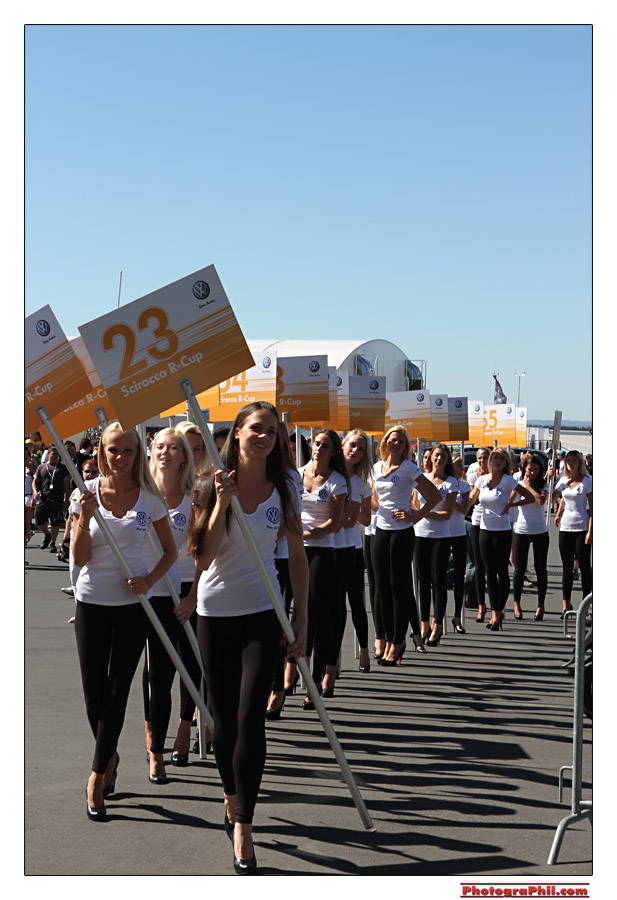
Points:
x=428, y=185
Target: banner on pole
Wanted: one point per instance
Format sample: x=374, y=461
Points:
x=457, y=419
x=412, y=410
x=206, y=399
x=500, y=424
x=186, y=329
x=367, y=402
x=521, y=426
x=475, y=417
x=256, y=383
x=439, y=417
x=302, y=389
x=54, y=374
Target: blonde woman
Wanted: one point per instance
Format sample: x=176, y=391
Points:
x=196, y=442
x=394, y=477
x=574, y=520
x=110, y=623
x=171, y=466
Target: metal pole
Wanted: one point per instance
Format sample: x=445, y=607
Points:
x=152, y=616
x=189, y=394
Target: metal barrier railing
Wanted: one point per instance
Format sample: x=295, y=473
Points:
x=581, y=809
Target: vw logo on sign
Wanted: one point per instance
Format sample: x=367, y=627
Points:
x=373, y=385
x=509, y=410
x=272, y=515
x=438, y=401
x=521, y=414
x=179, y=520
x=201, y=290
x=314, y=366
x=476, y=407
x=266, y=362
x=458, y=404
x=142, y=519
x=339, y=381
x=323, y=494
x=43, y=327
x=420, y=398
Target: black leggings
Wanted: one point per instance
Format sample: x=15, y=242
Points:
x=282, y=573
x=431, y=561
x=520, y=553
x=480, y=571
x=495, y=549
x=339, y=603
x=159, y=671
x=110, y=640
x=458, y=547
x=322, y=574
x=239, y=654
x=571, y=544
x=355, y=595
x=380, y=634
x=394, y=597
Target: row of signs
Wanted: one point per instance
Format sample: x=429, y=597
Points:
x=128, y=364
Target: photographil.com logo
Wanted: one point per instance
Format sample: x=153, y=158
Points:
x=517, y=889
x=43, y=327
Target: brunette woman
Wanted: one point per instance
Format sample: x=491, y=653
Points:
x=324, y=481
x=574, y=520
x=110, y=623
x=432, y=547
x=530, y=529
x=494, y=491
x=237, y=628
x=458, y=542
x=171, y=466
x=473, y=473
x=394, y=477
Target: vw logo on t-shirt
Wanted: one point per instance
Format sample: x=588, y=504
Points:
x=273, y=515
x=395, y=479
x=179, y=519
x=43, y=327
x=201, y=289
x=314, y=366
x=142, y=519
x=323, y=493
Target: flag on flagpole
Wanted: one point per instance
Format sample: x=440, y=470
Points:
x=499, y=396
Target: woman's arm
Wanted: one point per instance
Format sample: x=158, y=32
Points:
x=474, y=494
x=560, y=511
x=442, y=515
x=225, y=488
x=299, y=577
x=81, y=528
x=431, y=496
x=333, y=523
x=525, y=494
x=364, y=516
x=141, y=584
x=374, y=500
x=590, y=503
x=350, y=515
x=187, y=606
x=464, y=506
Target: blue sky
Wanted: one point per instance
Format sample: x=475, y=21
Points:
x=428, y=185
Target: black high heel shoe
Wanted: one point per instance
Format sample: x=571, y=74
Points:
x=539, y=615
x=95, y=813
x=397, y=660
x=433, y=642
x=156, y=779
x=179, y=759
x=308, y=704
x=458, y=629
x=273, y=714
x=362, y=668
x=245, y=866
x=481, y=617
x=292, y=687
x=496, y=626
x=229, y=828
x=110, y=788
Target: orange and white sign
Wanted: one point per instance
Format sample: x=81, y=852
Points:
x=302, y=389
x=521, y=426
x=367, y=402
x=342, y=401
x=206, y=399
x=412, y=410
x=457, y=419
x=439, y=417
x=475, y=417
x=54, y=378
x=142, y=351
x=256, y=383
x=500, y=425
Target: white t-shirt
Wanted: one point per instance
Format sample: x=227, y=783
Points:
x=102, y=580
x=429, y=527
x=359, y=490
x=232, y=585
x=493, y=502
x=282, y=549
x=513, y=511
x=476, y=512
x=531, y=518
x=394, y=492
x=458, y=528
x=576, y=514
x=184, y=567
x=316, y=506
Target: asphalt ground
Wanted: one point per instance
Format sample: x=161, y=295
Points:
x=456, y=754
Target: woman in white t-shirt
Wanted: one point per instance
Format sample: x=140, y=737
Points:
x=359, y=467
x=458, y=542
x=237, y=628
x=574, y=520
x=493, y=491
x=432, y=548
x=171, y=466
x=323, y=503
x=110, y=623
x=196, y=442
x=473, y=473
x=394, y=478
x=530, y=529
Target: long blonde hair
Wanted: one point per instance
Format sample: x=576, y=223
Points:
x=190, y=428
x=363, y=468
x=185, y=479
x=381, y=449
x=140, y=467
